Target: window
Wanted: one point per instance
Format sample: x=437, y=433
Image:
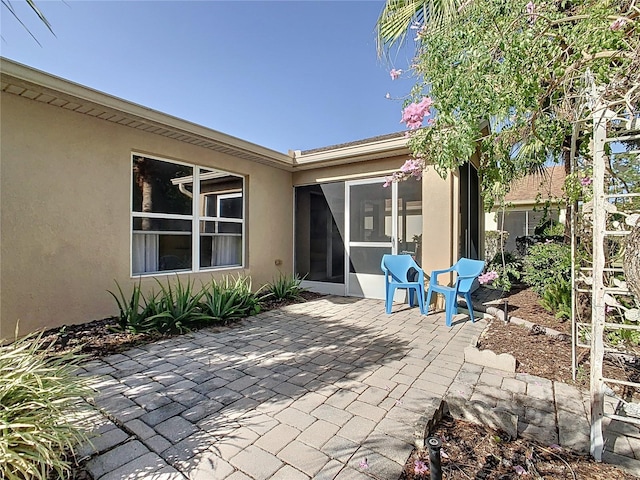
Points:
x=172, y=201
x=521, y=223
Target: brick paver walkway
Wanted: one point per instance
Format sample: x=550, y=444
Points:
x=306, y=391
x=315, y=390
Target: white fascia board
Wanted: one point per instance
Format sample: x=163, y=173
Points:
x=56, y=85
x=352, y=153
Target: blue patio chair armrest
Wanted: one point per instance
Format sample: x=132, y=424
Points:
x=435, y=273
x=462, y=277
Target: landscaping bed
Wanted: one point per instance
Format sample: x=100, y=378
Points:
x=470, y=451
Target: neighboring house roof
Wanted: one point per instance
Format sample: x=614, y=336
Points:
x=538, y=187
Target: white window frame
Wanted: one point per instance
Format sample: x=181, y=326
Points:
x=195, y=217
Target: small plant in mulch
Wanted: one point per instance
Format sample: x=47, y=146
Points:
x=284, y=288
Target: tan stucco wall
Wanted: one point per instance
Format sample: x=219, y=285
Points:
x=440, y=219
x=65, y=213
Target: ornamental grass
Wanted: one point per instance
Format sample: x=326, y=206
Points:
x=41, y=400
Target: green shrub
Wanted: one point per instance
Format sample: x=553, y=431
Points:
x=494, y=241
x=545, y=264
x=175, y=308
x=556, y=298
x=509, y=271
x=285, y=287
x=133, y=310
x=40, y=394
x=229, y=298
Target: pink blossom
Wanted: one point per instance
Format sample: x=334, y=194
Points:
x=531, y=10
x=618, y=24
x=586, y=181
x=520, y=470
x=364, y=464
x=421, y=30
x=420, y=467
x=395, y=74
x=414, y=114
x=487, y=277
x=412, y=167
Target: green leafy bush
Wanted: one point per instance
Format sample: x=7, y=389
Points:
x=547, y=269
x=285, y=287
x=546, y=263
x=40, y=395
x=509, y=271
x=229, y=298
x=494, y=241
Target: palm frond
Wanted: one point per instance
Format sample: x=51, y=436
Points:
x=9, y=6
x=398, y=16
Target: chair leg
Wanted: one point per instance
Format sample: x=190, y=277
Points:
x=451, y=308
x=410, y=295
x=420, y=295
x=428, y=302
x=467, y=297
x=389, y=299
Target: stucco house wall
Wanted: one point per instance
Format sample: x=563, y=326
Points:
x=65, y=196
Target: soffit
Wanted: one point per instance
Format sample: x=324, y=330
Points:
x=41, y=87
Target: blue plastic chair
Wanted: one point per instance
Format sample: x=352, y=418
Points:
x=396, y=269
x=467, y=271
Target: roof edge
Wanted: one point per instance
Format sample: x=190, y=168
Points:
x=359, y=152
x=33, y=76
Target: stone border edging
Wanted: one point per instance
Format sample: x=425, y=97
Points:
x=499, y=314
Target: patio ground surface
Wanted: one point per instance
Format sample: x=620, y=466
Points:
x=306, y=391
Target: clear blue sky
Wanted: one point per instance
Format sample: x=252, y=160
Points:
x=282, y=74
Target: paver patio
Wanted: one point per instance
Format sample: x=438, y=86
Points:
x=313, y=390
x=307, y=391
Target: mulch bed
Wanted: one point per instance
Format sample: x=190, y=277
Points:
x=470, y=451
x=546, y=356
x=103, y=337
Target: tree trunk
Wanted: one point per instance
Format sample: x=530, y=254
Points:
x=147, y=201
x=144, y=179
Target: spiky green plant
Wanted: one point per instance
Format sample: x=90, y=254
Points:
x=285, y=287
x=134, y=309
x=229, y=298
x=176, y=307
x=40, y=395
